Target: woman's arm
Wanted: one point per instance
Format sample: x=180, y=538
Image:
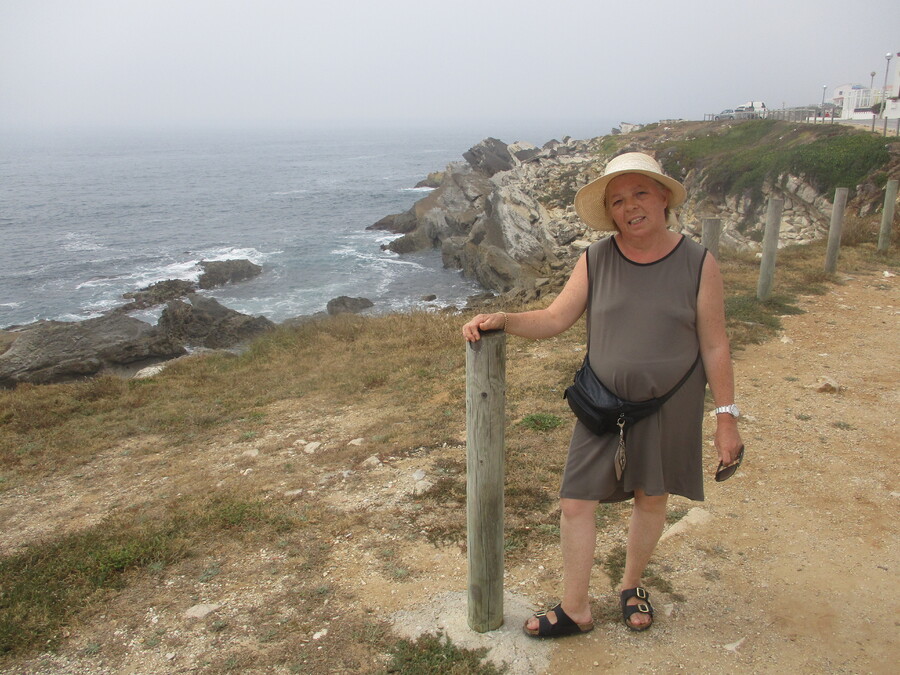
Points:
x=716, y=354
x=541, y=323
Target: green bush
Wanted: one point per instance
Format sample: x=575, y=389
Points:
x=742, y=158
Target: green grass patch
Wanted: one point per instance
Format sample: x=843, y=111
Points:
x=614, y=564
x=47, y=584
x=738, y=159
x=541, y=421
x=437, y=655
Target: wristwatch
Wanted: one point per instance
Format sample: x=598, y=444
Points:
x=730, y=409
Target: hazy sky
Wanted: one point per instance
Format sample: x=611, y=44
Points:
x=214, y=63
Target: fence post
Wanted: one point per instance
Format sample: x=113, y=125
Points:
x=834, y=231
x=769, y=249
x=712, y=228
x=485, y=422
x=887, y=215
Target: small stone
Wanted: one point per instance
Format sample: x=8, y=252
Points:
x=310, y=448
x=200, y=611
x=734, y=646
x=293, y=493
x=149, y=371
x=419, y=475
x=826, y=385
x=422, y=486
x=252, y=452
x=170, y=656
x=357, y=441
x=319, y=635
x=371, y=462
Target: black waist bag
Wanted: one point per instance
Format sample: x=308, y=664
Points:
x=602, y=411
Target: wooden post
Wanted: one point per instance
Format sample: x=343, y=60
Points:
x=769, y=249
x=834, y=231
x=712, y=229
x=485, y=422
x=887, y=215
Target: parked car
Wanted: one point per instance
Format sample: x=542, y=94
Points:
x=726, y=115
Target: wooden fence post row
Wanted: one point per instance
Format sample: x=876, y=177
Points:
x=485, y=437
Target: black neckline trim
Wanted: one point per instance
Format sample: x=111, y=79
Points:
x=629, y=260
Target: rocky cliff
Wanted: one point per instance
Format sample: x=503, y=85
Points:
x=505, y=215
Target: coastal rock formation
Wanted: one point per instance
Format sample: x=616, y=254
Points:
x=220, y=272
x=203, y=322
x=346, y=305
x=157, y=294
x=432, y=180
x=505, y=216
x=55, y=351
x=486, y=218
x=215, y=273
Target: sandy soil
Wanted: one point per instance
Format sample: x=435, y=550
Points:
x=791, y=566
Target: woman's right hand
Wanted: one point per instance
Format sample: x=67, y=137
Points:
x=472, y=330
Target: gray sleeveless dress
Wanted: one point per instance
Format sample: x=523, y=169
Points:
x=643, y=339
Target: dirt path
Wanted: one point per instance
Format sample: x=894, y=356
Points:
x=796, y=569
x=791, y=566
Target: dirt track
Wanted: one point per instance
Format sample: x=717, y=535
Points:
x=797, y=569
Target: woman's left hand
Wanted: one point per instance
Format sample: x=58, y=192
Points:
x=728, y=440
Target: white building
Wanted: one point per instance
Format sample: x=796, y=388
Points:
x=856, y=100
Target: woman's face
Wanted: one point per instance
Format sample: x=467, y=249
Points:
x=637, y=203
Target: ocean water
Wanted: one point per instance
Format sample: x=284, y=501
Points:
x=87, y=217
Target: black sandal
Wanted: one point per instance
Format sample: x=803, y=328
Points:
x=563, y=626
x=642, y=607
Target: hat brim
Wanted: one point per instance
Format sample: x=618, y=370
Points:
x=590, y=200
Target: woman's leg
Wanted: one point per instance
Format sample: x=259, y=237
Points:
x=578, y=537
x=648, y=517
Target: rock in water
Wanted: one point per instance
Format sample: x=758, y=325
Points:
x=344, y=305
x=57, y=351
x=204, y=322
x=220, y=272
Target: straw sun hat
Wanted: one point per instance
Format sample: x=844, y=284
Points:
x=590, y=200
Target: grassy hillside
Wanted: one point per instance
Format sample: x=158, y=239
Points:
x=744, y=156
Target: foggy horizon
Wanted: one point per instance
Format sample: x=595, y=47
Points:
x=496, y=68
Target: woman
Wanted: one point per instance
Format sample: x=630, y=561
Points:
x=656, y=300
